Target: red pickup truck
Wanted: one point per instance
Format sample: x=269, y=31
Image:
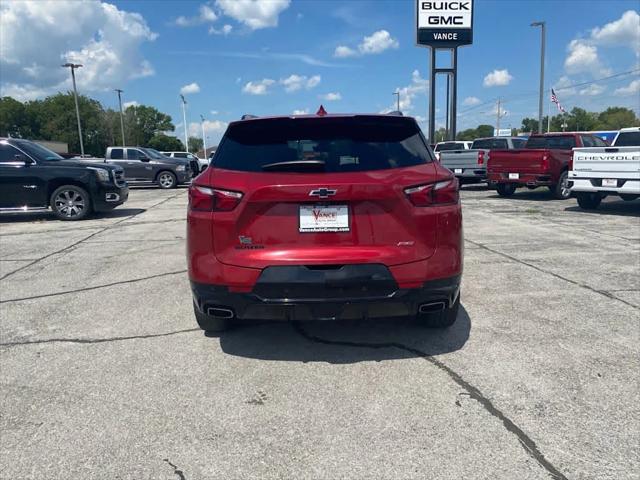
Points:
x=544, y=161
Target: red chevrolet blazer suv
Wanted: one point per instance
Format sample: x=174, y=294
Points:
x=324, y=217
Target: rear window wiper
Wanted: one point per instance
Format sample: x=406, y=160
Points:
x=295, y=164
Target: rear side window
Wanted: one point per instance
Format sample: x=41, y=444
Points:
x=628, y=139
x=518, y=142
x=116, y=154
x=553, y=142
x=587, y=141
x=351, y=144
x=490, y=143
x=599, y=142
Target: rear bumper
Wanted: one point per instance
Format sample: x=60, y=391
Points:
x=397, y=303
x=593, y=185
x=469, y=173
x=529, y=179
x=108, y=197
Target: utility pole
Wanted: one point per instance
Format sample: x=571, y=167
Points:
x=73, y=66
x=498, y=119
x=204, y=139
x=542, y=47
x=121, y=116
x=184, y=116
x=397, y=93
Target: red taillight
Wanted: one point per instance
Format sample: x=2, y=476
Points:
x=439, y=193
x=480, y=158
x=207, y=199
x=571, y=161
x=545, y=162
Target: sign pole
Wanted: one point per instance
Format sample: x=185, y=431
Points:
x=454, y=95
x=432, y=96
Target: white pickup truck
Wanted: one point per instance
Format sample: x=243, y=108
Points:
x=596, y=172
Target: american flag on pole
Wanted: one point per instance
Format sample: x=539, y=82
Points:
x=554, y=99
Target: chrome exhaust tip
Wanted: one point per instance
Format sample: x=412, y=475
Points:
x=431, y=307
x=218, y=312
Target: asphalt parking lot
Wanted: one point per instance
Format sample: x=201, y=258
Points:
x=104, y=374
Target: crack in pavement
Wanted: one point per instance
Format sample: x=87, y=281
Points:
x=556, y=275
x=104, y=229
x=95, y=287
x=97, y=340
x=176, y=471
x=525, y=441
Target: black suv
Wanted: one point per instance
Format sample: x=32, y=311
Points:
x=33, y=178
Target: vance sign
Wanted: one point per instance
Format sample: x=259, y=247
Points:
x=444, y=23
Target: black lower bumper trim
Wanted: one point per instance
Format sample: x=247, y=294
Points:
x=400, y=303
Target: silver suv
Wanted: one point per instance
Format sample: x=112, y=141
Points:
x=148, y=165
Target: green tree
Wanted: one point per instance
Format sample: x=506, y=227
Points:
x=614, y=118
x=484, y=131
x=195, y=144
x=468, y=134
x=15, y=119
x=143, y=122
x=165, y=143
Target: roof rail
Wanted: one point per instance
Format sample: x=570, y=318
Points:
x=247, y=116
x=396, y=113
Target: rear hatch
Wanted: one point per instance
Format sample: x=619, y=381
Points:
x=323, y=191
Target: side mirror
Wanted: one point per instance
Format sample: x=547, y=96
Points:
x=145, y=159
x=23, y=158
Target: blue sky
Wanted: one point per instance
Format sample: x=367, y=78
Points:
x=277, y=57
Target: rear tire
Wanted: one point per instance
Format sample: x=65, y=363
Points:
x=505, y=189
x=627, y=197
x=561, y=190
x=166, y=180
x=208, y=323
x=442, y=319
x=588, y=201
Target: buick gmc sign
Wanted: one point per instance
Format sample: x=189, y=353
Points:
x=444, y=23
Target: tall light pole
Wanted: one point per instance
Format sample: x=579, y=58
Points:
x=541, y=99
x=397, y=93
x=184, y=116
x=121, y=116
x=73, y=66
x=204, y=139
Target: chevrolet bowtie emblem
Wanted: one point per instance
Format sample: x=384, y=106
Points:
x=322, y=193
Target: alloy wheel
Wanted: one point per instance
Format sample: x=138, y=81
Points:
x=69, y=203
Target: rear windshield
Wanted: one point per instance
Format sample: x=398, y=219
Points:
x=351, y=144
x=553, y=143
x=628, y=139
x=491, y=143
x=441, y=147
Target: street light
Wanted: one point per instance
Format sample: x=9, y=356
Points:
x=204, y=141
x=121, y=117
x=73, y=66
x=398, y=99
x=184, y=116
x=541, y=99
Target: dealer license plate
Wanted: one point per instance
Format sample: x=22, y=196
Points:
x=324, y=218
x=457, y=170
x=514, y=176
x=609, y=182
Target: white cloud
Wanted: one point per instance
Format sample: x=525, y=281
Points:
x=592, y=90
x=294, y=82
x=301, y=112
x=375, y=43
x=214, y=112
x=582, y=57
x=469, y=101
x=497, y=78
x=225, y=30
x=255, y=14
x=632, y=89
x=189, y=89
x=344, y=51
x=205, y=15
x=564, y=84
x=211, y=127
x=418, y=86
x=622, y=32
x=104, y=39
x=132, y=103
x=331, y=96
x=259, y=87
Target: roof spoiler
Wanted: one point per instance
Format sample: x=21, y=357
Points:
x=247, y=116
x=395, y=113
